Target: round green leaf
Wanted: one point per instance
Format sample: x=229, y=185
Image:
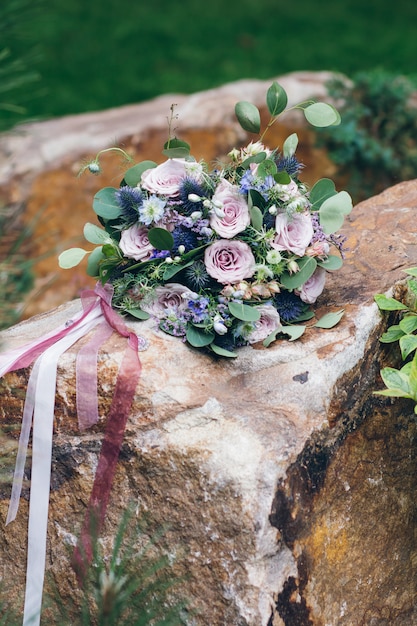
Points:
x=409, y=323
x=322, y=114
x=161, y=239
x=222, y=351
x=133, y=175
x=71, y=257
x=332, y=263
x=294, y=332
x=321, y=190
x=94, y=261
x=248, y=116
x=198, y=338
x=105, y=205
x=175, y=148
x=333, y=210
x=95, y=234
x=244, y=312
x=330, y=319
x=307, y=267
x=276, y=99
x=266, y=168
x=138, y=313
x=408, y=343
x=256, y=218
x=393, y=333
x=290, y=145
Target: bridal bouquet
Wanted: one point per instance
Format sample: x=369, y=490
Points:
x=221, y=257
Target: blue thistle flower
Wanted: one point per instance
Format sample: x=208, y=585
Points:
x=129, y=200
x=191, y=186
x=196, y=277
x=289, y=306
x=290, y=164
x=184, y=237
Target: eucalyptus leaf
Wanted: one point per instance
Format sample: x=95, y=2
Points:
x=244, y=312
x=248, y=116
x=222, y=351
x=256, y=218
x=282, y=178
x=255, y=199
x=93, y=262
x=71, y=257
x=95, y=234
x=255, y=158
x=294, y=332
x=271, y=338
x=321, y=190
x=160, y=238
x=333, y=210
x=105, y=204
x=290, y=145
x=408, y=343
x=276, y=99
x=266, y=168
x=138, y=313
x=198, y=338
x=329, y=320
x=307, y=267
x=175, y=148
x=388, y=304
x=133, y=175
x=332, y=263
x=321, y=114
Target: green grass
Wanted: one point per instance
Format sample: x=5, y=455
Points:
x=95, y=55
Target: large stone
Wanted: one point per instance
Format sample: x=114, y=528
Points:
x=287, y=489
x=39, y=163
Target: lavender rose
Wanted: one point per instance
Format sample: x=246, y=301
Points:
x=165, y=299
x=312, y=288
x=267, y=323
x=236, y=213
x=293, y=234
x=134, y=243
x=165, y=179
x=229, y=262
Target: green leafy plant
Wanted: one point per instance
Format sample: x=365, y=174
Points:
x=376, y=146
x=402, y=383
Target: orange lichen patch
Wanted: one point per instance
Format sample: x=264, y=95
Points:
x=328, y=540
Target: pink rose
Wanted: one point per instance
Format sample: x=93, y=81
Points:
x=165, y=179
x=312, y=288
x=236, y=212
x=134, y=243
x=229, y=261
x=293, y=234
x=268, y=323
x=165, y=298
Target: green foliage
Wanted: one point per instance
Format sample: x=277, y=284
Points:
x=16, y=278
x=17, y=63
x=376, y=146
x=402, y=383
x=131, y=587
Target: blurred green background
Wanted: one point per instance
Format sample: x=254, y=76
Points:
x=75, y=56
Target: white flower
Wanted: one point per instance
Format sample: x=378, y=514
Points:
x=152, y=210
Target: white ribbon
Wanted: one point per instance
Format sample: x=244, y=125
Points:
x=39, y=404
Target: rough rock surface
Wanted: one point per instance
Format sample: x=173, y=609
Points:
x=39, y=163
x=287, y=489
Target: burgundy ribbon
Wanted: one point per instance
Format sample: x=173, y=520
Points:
x=126, y=383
